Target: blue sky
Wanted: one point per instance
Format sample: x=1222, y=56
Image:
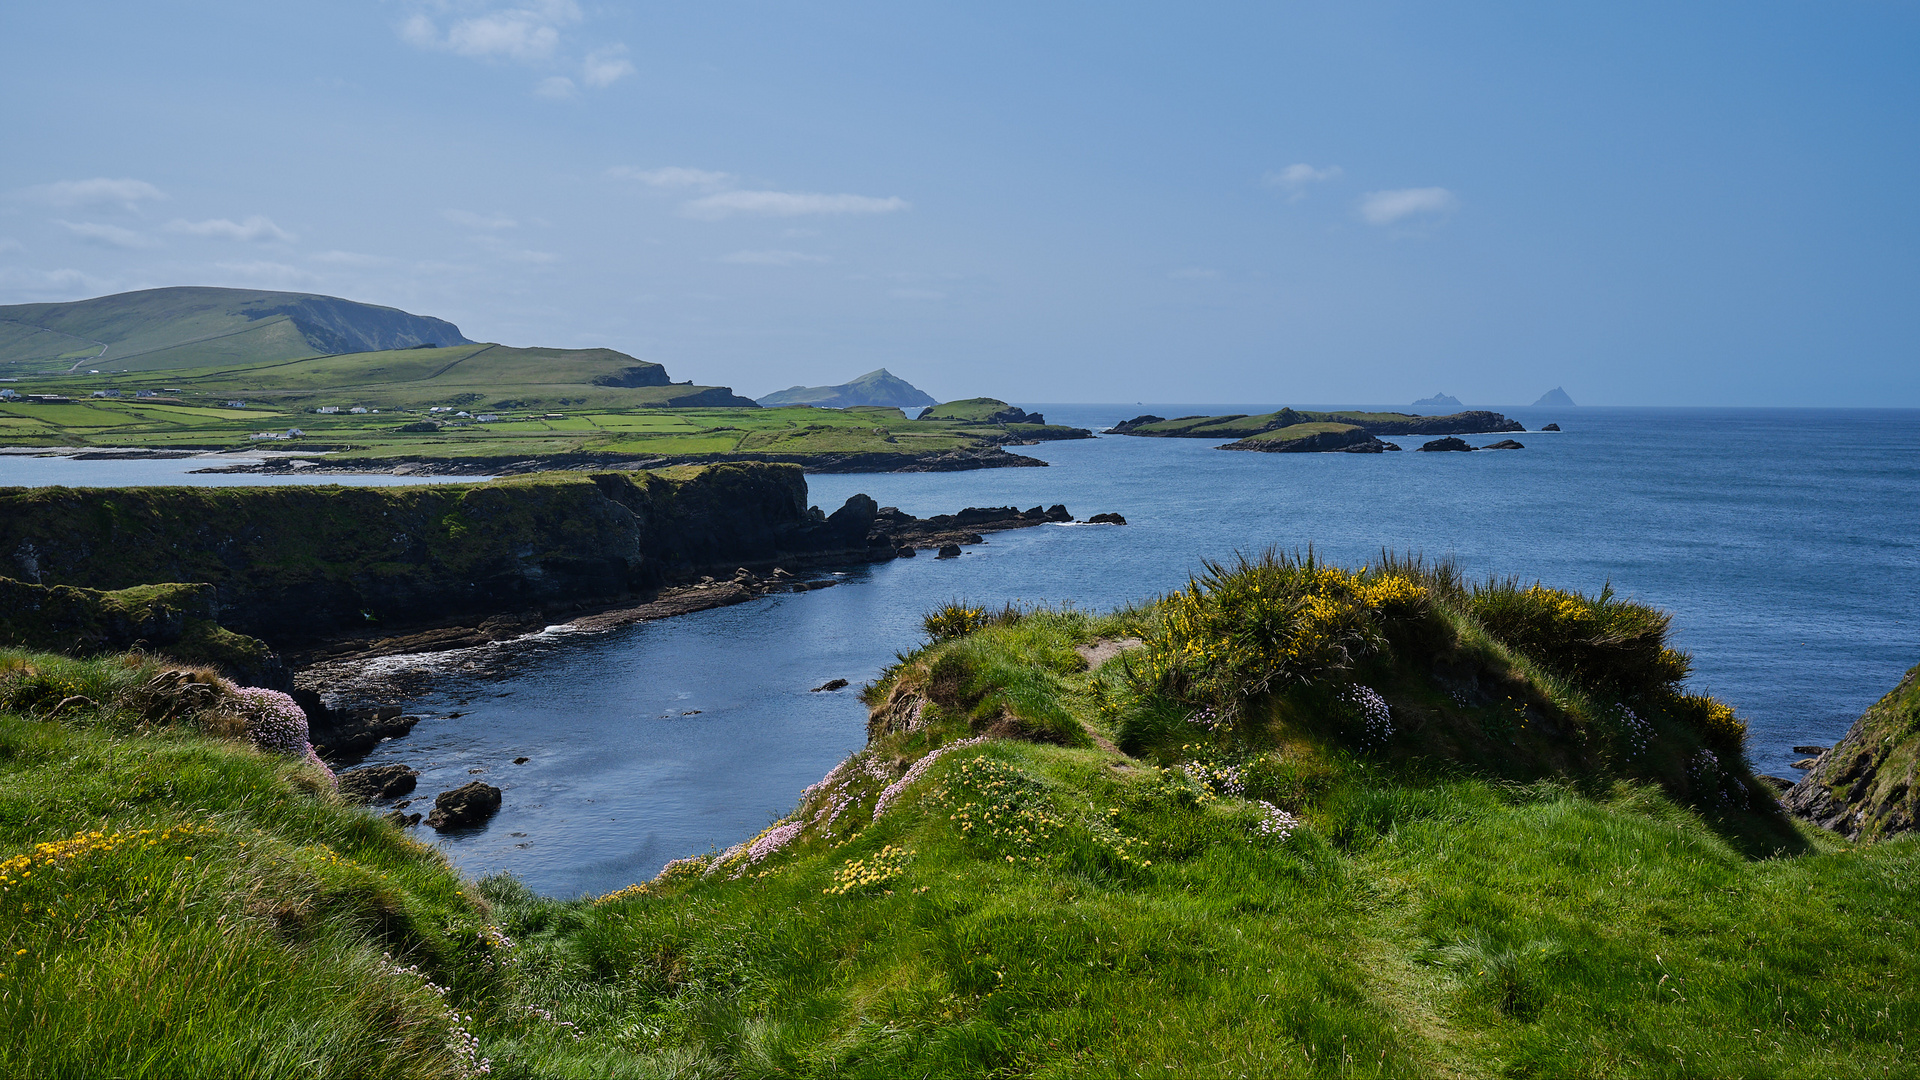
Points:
x=1666, y=203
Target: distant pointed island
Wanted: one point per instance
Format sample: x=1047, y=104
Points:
x=1442, y=404
x=879, y=387
x=1555, y=398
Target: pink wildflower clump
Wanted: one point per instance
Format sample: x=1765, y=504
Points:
x=277, y=724
x=919, y=769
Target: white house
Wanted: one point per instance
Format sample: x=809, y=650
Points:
x=328, y=410
x=358, y=410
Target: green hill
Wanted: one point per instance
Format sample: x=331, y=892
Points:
x=163, y=329
x=880, y=387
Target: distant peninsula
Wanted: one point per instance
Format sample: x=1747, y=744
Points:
x=337, y=386
x=881, y=388
x=1301, y=431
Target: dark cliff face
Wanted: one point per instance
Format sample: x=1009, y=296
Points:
x=1865, y=786
x=294, y=564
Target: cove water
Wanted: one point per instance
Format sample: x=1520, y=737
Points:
x=1785, y=542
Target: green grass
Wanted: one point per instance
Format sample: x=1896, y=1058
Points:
x=634, y=431
x=1473, y=896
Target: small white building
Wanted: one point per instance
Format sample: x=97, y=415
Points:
x=327, y=410
x=486, y=418
x=106, y=393
x=295, y=433
x=144, y=393
x=236, y=404
x=9, y=395
x=358, y=410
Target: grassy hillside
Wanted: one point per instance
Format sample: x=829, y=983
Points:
x=1319, y=822
x=882, y=388
x=163, y=329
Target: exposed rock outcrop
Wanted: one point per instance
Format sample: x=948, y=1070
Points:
x=1448, y=443
x=378, y=783
x=1864, y=787
x=1505, y=444
x=1350, y=441
x=464, y=807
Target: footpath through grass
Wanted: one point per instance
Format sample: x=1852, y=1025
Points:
x=1524, y=849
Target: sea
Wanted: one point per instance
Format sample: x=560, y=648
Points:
x=1785, y=542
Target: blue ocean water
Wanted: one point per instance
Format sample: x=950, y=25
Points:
x=1785, y=542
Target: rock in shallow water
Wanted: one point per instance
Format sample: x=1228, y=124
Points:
x=1106, y=519
x=470, y=804
x=378, y=783
x=1449, y=443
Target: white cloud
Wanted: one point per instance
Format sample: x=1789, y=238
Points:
x=8, y=243
x=673, y=176
x=533, y=33
x=258, y=272
x=1387, y=207
x=63, y=282
x=787, y=204
x=350, y=258
x=94, y=232
x=253, y=229
x=917, y=294
x=605, y=66
x=1300, y=175
x=479, y=221
x=1193, y=273
x=99, y=191
x=771, y=258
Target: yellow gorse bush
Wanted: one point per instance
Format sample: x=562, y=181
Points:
x=1237, y=633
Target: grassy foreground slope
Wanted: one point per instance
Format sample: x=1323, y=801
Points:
x=1319, y=823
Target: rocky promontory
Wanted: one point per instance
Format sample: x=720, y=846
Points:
x=1243, y=426
x=1864, y=786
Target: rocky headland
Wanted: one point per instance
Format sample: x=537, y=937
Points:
x=1864, y=786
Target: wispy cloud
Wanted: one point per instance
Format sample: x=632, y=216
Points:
x=62, y=282
x=787, y=204
x=94, y=232
x=605, y=66
x=255, y=228
x=535, y=33
x=771, y=258
x=527, y=33
x=1297, y=178
x=479, y=221
x=260, y=272
x=917, y=294
x=350, y=258
x=8, y=243
x=1388, y=207
x=673, y=176
x=98, y=191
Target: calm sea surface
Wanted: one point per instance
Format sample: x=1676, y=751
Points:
x=1787, y=544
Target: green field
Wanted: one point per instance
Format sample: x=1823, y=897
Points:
x=629, y=432
x=1533, y=853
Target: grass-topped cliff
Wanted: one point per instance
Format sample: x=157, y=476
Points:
x=1316, y=822
x=294, y=563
